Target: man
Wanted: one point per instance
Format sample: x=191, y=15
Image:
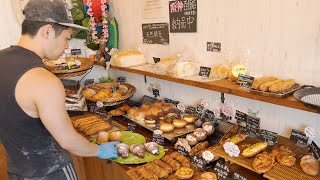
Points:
x=35, y=128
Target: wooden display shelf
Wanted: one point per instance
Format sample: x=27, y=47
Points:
x=226, y=86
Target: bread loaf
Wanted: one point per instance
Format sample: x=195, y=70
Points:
x=254, y=149
x=183, y=69
x=257, y=82
x=309, y=165
x=285, y=85
x=265, y=86
x=127, y=59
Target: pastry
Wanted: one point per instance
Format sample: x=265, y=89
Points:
x=263, y=162
x=171, y=116
x=184, y=173
x=189, y=118
x=116, y=95
x=150, y=119
x=115, y=136
x=138, y=150
x=155, y=110
x=257, y=82
x=172, y=162
x=285, y=85
x=192, y=139
x=184, y=161
x=200, y=134
x=178, y=123
x=77, y=122
x=158, y=103
x=208, y=127
x=144, y=173
x=199, y=147
x=88, y=93
x=167, y=107
x=116, y=112
x=265, y=86
x=123, y=150
x=208, y=176
x=184, y=143
x=254, y=149
x=128, y=59
x=157, y=170
x=284, y=155
x=198, y=123
x=146, y=106
x=164, y=165
x=102, y=137
x=131, y=112
x=97, y=128
x=166, y=127
x=309, y=165
x=152, y=147
x=223, y=71
x=235, y=138
x=124, y=108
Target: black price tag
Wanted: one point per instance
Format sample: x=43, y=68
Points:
x=253, y=126
x=182, y=151
x=76, y=52
x=241, y=117
x=155, y=92
x=167, y=100
x=191, y=110
x=314, y=150
x=299, y=138
x=156, y=60
x=115, y=88
x=222, y=170
x=245, y=80
x=131, y=127
x=121, y=79
x=199, y=110
x=269, y=137
x=88, y=82
x=204, y=71
x=238, y=176
x=214, y=46
x=93, y=108
x=199, y=162
x=158, y=138
x=209, y=115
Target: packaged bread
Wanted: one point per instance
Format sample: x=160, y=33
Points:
x=127, y=59
x=231, y=77
x=214, y=71
x=183, y=69
x=257, y=82
x=223, y=71
x=254, y=149
x=265, y=86
x=164, y=65
x=309, y=165
x=282, y=86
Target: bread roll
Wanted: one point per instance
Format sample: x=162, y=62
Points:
x=184, y=173
x=231, y=77
x=223, y=71
x=115, y=136
x=214, y=71
x=102, y=137
x=265, y=86
x=88, y=93
x=254, y=149
x=309, y=165
x=128, y=58
x=257, y=82
x=189, y=118
x=178, y=123
x=285, y=85
x=166, y=127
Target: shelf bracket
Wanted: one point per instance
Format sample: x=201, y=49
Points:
x=222, y=97
x=145, y=79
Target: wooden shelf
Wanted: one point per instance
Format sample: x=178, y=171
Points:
x=228, y=87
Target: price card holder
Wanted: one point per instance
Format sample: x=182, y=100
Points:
x=191, y=110
x=253, y=126
x=156, y=60
x=115, y=88
x=299, y=138
x=241, y=117
x=238, y=176
x=199, y=110
x=167, y=100
x=121, y=79
x=209, y=115
x=158, y=138
x=131, y=127
x=222, y=170
x=314, y=150
x=204, y=71
x=245, y=80
x=269, y=137
x=199, y=163
x=182, y=151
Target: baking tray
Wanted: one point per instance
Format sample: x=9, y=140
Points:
x=279, y=94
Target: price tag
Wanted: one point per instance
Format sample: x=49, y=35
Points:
x=204, y=103
x=88, y=82
x=245, y=80
x=269, y=137
x=76, y=52
x=99, y=104
x=299, y=138
x=241, y=117
x=231, y=149
x=237, y=176
x=222, y=170
x=131, y=127
x=226, y=109
x=310, y=132
x=181, y=107
x=253, y=126
x=182, y=151
x=93, y=108
x=158, y=138
x=199, y=110
x=238, y=69
x=156, y=60
x=209, y=115
x=199, y=162
x=121, y=79
x=167, y=100
x=314, y=150
x=208, y=156
x=155, y=92
x=115, y=88
x=204, y=71
x=217, y=112
x=191, y=110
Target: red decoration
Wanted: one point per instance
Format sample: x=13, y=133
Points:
x=96, y=8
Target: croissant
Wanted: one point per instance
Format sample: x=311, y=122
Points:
x=164, y=165
x=173, y=163
x=181, y=159
x=160, y=172
x=145, y=173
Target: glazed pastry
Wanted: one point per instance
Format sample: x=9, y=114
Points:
x=152, y=147
x=184, y=143
x=157, y=170
x=189, y=118
x=257, y=82
x=199, y=147
x=184, y=161
x=144, y=173
x=123, y=150
x=254, y=149
x=102, y=137
x=192, y=139
x=200, y=134
x=208, y=176
x=284, y=155
x=115, y=136
x=208, y=127
x=309, y=165
x=178, y=123
x=184, y=173
x=166, y=127
x=173, y=163
x=164, y=165
x=198, y=123
x=138, y=150
x=263, y=162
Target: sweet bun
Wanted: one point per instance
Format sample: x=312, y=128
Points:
x=200, y=134
x=192, y=139
x=189, y=118
x=115, y=136
x=178, y=123
x=166, y=127
x=88, y=93
x=184, y=173
x=102, y=137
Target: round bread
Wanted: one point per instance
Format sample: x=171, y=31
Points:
x=178, y=123
x=88, y=93
x=208, y=176
x=115, y=136
x=184, y=173
x=166, y=127
x=155, y=110
x=208, y=127
x=192, y=139
x=309, y=165
x=223, y=71
x=102, y=137
x=189, y=118
x=200, y=134
x=150, y=119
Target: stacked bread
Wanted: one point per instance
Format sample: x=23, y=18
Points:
x=91, y=125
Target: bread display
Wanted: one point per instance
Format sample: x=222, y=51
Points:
x=128, y=59
x=265, y=86
x=254, y=149
x=309, y=165
x=263, y=162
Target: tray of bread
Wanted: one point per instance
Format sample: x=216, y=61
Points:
x=91, y=124
x=109, y=93
x=274, y=87
x=163, y=116
x=68, y=65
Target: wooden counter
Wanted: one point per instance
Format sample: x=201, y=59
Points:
x=226, y=86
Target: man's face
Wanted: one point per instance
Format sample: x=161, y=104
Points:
x=57, y=44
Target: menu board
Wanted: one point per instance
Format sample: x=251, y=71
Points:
x=269, y=137
x=155, y=33
x=183, y=16
x=253, y=126
x=204, y=71
x=240, y=116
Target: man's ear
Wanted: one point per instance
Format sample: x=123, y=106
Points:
x=47, y=31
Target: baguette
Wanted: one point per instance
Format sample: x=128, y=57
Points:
x=265, y=86
x=257, y=82
x=96, y=130
x=285, y=85
x=254, y=149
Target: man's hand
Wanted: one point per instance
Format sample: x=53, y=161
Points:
x=108, y=150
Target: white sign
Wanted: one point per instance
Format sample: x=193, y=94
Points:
x=181, y=107
x=208, y=156
x=153, y=9
x=231, y=149
x=310, y=132
x=99, y=104
x=204, y=103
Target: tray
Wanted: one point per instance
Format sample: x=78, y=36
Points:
x=279, y=94
x=86, y=63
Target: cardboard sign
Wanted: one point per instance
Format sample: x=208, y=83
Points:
x=167, y=100
x=222, y=170
x=237, y=176
x=158, y=138
x=156, y=60
x=314, y=150
x=204, y=71
x=121, y=79
x=299, y=138
x=131, y=127
x=245, y=80
x=182, y=151
x=253, y=126
x=183, y=16
x=214, y=46
x=155, y=33
x=240, y=116
x=191, y=110
x=269, y=137
x=76, y=52
x=199, y=162
x=209, y=115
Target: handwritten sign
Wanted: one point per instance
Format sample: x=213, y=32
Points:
x=240, y=116
x=314, y=150
x=131, y=127
x=253, y=126
x=181, y=107
x=155, y=33
x=310, y=132
x=167, y=100
x=299, y=138
x=245, y=80
x=191, y=110
x=121, y=79
x=204, y=71
x=269, y=137
x=156, y=60
x=76, y=52
x=214, y=46
x=155, y=92
x=209, y=115
x=199, y=162
x=231, y=149
x=237, y=176
x=183, y=16
x=199, y=110
x=182, y=151
x=222, y=170
x=158, y=138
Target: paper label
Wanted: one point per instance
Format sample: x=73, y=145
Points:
x=231, y=149
x=208, y=156
x=181, y=107
x=222, y=170
x=299, y=138
x=310, y=132
x=182, y=151
x=204, y=103
x=226, y=110
x=99, y=104
x=199, y=162
x=237, y=176
x=238, y=69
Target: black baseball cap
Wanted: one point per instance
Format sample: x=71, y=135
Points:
x=51, y=11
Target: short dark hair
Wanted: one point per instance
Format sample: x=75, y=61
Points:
x=32, y=27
